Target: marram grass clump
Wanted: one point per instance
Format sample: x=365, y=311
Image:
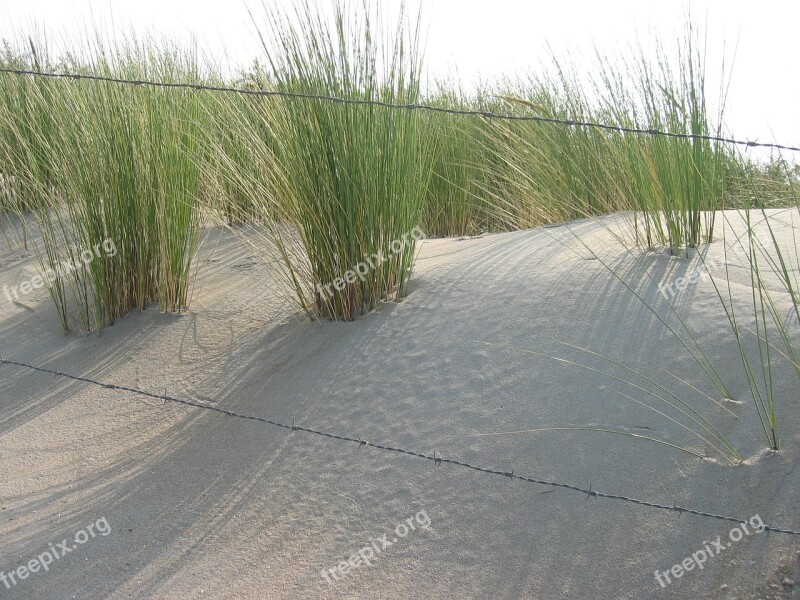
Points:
x=350, y=178
x=100, y=161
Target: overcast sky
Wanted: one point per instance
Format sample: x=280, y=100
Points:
x=470, y=39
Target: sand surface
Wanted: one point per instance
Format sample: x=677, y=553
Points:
x=203, y=505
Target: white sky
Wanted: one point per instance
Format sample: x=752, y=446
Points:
x=469, y=39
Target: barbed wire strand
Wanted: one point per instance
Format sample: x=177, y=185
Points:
x=422, y=107
x=437, y=460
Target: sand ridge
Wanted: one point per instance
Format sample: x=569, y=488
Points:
x=205, y=506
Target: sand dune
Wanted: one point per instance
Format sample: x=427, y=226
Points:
x=201, y=505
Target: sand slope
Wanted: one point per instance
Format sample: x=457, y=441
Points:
x=206, y=506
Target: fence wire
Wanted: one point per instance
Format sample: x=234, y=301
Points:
x=422, y=107
x=437, y=460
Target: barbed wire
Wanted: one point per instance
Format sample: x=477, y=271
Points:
x=437, y=460
x=422, y=107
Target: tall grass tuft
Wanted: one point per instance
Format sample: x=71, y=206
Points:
x=350, y=179
x=454, y=203
x=98, y=161
x=539, y=173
